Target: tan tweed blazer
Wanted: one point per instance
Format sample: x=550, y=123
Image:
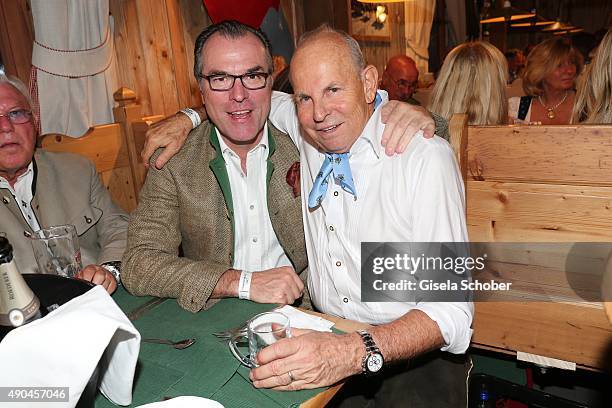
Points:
x=189, y=203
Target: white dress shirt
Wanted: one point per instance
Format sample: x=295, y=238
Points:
x=256, y=245
x=417, y=196
x=22, y=192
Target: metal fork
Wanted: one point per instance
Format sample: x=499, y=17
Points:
x=230, y=333
x=179, y=345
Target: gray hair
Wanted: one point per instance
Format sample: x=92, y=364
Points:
x=18, y=85
x=352, y=44
x=230, y=29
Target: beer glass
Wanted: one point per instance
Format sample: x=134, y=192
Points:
x=57, y=250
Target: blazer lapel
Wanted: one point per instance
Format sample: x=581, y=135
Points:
x=217, y=165
x=270, y=163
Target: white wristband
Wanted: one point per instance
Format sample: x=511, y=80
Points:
x=244, y=285
x=193, y=116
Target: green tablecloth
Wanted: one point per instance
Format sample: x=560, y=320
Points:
x=207, y=368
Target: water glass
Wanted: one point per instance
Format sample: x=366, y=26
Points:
x=263, y=330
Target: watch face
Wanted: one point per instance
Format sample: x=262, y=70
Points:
x=374, y=362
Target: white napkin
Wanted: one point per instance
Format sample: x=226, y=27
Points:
x=301, y=320
x=63, y=348
x=184, y=402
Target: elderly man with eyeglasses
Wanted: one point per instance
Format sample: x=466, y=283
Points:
x=39, y=189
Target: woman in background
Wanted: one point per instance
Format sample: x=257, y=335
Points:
x=594, y=95
x=549, y=81
x=472, y=80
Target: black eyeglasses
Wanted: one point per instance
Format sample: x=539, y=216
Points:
x=18, y=116
x=225, y=82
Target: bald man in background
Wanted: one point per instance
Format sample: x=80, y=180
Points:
x=400, y=79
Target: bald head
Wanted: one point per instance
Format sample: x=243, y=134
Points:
x=400, y=78
x=334, y=90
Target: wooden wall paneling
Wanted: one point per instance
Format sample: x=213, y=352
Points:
x=317, y=12
x=155, y=39
x=294, y=14
x=16, y=38
x=195, y=19
x=377, y=53
x=179, y=53
x=132, y=69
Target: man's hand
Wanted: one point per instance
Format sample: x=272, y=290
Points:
x=170, y=134
x=402, y=121
x=277, y=285
x=98, y=276
x=314, y=359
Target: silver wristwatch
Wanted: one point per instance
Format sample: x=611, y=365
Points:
x=113, y=267
x=373, y=361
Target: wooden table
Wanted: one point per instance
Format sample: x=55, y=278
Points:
x=141, y=310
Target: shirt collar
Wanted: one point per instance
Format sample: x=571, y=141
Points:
x=264, y=142
x=372, y=132
x=27, y=176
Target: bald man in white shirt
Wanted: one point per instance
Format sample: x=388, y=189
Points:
x=417, y=196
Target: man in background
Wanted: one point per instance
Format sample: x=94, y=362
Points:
x=401, y=79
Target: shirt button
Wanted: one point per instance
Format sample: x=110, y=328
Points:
x=331, y=227
x=251, y=207
x=254, y=239
x=345, y=300
x=338, y=263
x=335, y=194
x=5, y=200
x=88, y=220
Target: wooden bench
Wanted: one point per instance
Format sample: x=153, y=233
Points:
x=542, y=184
x=113, y=148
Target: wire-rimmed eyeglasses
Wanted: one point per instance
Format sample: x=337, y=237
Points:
x=18, y=116
x=225, y=82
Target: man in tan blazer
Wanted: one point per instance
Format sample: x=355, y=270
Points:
x=224, y=199
x=40, y=189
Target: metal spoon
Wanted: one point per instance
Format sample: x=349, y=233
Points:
x=179, y=345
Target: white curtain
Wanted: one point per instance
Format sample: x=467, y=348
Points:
x=73, y=64
x=419, y=16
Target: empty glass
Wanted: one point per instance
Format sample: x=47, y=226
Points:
x=57, y=250
x=263, y=330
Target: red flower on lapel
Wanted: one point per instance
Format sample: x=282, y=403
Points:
x=293, y=178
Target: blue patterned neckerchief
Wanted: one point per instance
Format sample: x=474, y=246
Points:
x=338, y=164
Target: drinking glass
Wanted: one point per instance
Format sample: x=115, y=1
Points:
x=263, y=330
x=57, y=250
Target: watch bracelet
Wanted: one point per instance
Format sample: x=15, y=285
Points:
x=370, y=347
x=114, y=267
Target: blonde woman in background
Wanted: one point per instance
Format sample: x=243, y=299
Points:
x=549, y=80
x=472, y=80
x=594, y=95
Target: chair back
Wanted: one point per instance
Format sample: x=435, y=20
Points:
x=106, y=147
